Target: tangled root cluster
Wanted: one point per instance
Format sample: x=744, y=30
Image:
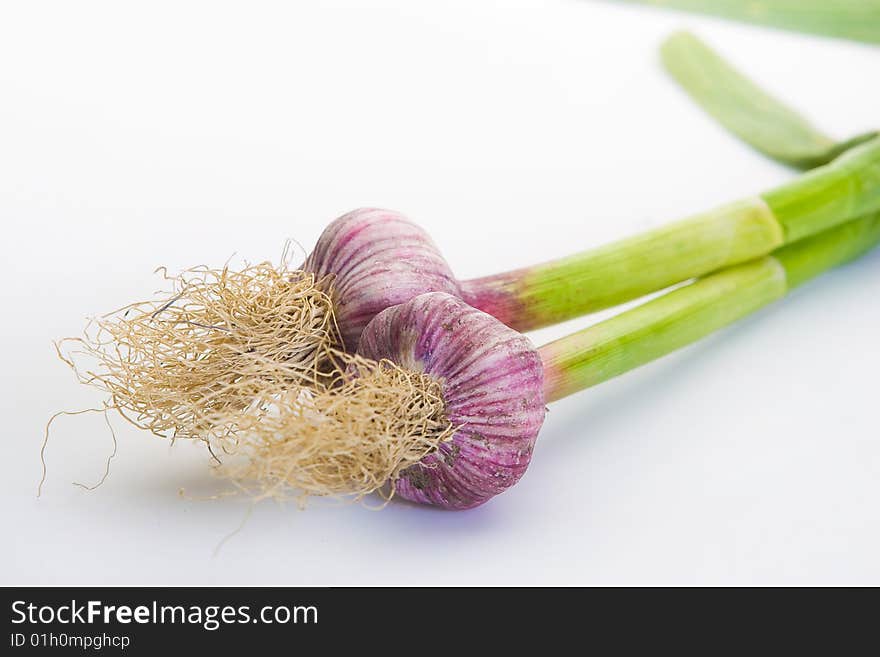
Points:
x=186, y=365
x=247, y=361
x=348, y=438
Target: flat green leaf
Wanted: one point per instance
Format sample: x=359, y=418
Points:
x=745, y=109
x=858, y=20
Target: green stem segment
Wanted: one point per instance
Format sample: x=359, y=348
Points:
x=689, y=313
x=846, y=19
x=745, y=109
x=552, y=292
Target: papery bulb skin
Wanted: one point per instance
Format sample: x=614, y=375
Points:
x=378, y=259
x=492, y=379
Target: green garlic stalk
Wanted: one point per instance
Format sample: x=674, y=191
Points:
x=689, y=313
x=541, y=295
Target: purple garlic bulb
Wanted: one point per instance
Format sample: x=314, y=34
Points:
x=377, y=259
x=492, y=380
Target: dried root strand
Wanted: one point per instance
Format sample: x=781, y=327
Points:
x=190, y=363
x=346, y=439
x=248, y=362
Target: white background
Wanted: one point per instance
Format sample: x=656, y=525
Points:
x=177, y=134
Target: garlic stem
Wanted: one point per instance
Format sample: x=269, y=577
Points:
x=537, y=296
x=689, y=313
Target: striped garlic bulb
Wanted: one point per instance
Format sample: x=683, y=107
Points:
x=492, y=382
x=374, y=259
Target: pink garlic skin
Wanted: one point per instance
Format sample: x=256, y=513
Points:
x=492, y=380
x=379, y=258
